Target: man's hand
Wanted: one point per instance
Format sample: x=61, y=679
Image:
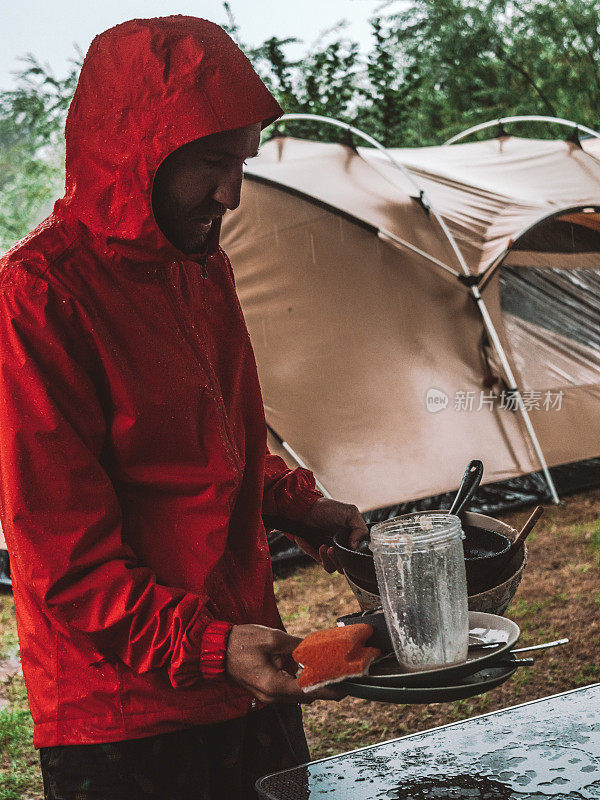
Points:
x=255, y=659
x=335, y=517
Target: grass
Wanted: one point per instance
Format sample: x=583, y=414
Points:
x=594, y=542
x=20, y=777
x=558, y=597
x=9, y=644
x=19, y=771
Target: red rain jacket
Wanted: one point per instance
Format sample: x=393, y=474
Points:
x=133, y=456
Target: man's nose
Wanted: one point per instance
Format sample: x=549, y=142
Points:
x=229, y=187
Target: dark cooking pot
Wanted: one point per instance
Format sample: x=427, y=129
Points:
x=358, y=564
x=485, y=556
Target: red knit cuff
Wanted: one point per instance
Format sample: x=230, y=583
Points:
x=213, y=649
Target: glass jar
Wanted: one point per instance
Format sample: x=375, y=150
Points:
x=420, y=569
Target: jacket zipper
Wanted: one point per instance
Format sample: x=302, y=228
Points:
x=231, y=450
x=178, y=312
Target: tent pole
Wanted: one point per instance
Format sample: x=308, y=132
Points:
x=406, y=172
x=297, y=459
x=522, y=118
x=487, y=320
x=489, y=271
x=356, y=132
x=513, y=385
x=383, y=234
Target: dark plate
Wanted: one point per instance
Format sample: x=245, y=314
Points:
x=387, y=672
x=477, y=683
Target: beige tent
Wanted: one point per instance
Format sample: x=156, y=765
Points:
x=397, y=300
x=377, y=357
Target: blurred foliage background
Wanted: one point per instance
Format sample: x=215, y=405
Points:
x=433, y=69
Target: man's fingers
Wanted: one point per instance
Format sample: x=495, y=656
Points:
x=358, y=533
x=260, y=659
x=278, y=660
x=280, y=642
x=282, y=687
x=330, y=561
x=273, y=685
x=334, y=559
x=327, y=558
x=358, y=528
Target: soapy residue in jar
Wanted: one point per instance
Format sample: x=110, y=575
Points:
x=424, y=605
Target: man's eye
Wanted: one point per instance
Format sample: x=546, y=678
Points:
x=215, y=160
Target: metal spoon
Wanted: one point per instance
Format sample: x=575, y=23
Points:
x=470, y=482
x=541, y=646
x=522, y=649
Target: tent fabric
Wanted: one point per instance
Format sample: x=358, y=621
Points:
x=337, y=177
x=358, y=336
x=591, y=145
x=490, y=192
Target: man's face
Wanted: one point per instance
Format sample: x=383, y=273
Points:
x=199, y=182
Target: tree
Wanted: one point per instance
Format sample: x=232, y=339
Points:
x=435, y=68
x=467, y=61
x=382, y=110
x=324, y=81
x=31, y=147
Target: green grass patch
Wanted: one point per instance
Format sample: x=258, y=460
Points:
x=583, y=567
x=589, y=535
x=20, y=775
x=329, y=738
x=16, y=693
x=19, y=768
x=577, y=530
x=522, y=676
x=587, y=673
x=461, y=709
x=300, y=612
x=523, y=608
x=593, y=542
x=9, y=644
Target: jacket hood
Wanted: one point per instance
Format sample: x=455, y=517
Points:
x=147, y=87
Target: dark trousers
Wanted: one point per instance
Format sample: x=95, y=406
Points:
x=207, y=762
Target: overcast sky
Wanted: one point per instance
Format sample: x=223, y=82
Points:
x=48, y=28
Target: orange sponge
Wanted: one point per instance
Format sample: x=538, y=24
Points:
x=335, y=654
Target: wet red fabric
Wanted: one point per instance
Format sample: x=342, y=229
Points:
x=133, y=458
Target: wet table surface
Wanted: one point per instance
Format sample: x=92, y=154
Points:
x=548, y=748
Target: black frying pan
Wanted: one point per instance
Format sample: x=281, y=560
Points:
x=315, y=537
x=485, y=560
x=359, y=565
x=485, y=550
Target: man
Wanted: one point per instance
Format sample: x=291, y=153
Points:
x=133, y=459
